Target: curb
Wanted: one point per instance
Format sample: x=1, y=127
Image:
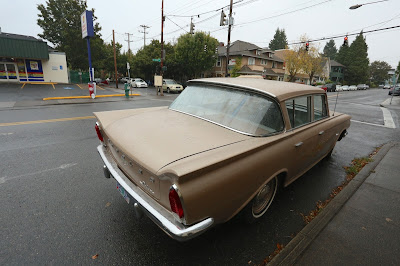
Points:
x=306, y=236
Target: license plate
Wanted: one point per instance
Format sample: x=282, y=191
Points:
x=123, y=192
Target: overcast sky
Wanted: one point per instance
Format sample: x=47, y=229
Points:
x=255, y=21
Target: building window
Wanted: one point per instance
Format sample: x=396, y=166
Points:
x=263, y=61
x=252, y=61
x=273, y=64
x=218, y=64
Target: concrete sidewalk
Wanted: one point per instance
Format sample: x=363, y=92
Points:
x=360, y=226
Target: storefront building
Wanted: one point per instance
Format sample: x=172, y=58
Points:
x=27, y=59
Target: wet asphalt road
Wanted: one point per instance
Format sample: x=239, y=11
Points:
x=57, y=208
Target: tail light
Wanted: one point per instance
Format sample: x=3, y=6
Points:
x=175, y=202
x=97, y=127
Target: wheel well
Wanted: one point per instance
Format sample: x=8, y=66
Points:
x=342, y=135
x=281, y=180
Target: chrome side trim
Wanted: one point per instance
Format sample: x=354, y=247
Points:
x=160, y=216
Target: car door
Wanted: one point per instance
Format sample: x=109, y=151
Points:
x=302, y=137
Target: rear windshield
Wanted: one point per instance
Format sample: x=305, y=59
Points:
x=244, y=111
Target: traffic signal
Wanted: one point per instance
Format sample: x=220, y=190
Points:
x=222, y=21
x=346, y=41
x=307, y=45
x=191, y=28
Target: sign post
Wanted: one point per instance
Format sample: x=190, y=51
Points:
x=87, y=32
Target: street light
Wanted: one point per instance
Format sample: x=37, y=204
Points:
x=357, y=6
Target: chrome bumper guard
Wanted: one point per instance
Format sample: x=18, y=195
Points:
x=160, y=216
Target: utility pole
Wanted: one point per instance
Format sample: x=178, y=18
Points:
x=162, y=43
x=144, y=33
x=129, y=44
x=229, y=38
x=115, y=62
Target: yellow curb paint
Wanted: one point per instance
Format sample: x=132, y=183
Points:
x=46, y=121
x=86, y=97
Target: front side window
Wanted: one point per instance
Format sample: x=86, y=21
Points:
x=244, y=111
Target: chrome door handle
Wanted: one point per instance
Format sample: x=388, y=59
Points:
x=299, y=144
x=321, y=132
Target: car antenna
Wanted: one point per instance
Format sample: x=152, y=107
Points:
x=337, y=96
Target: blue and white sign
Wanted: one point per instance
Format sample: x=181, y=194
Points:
x=87, y=24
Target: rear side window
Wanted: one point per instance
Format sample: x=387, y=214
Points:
x=319, y=107
x=299, y=111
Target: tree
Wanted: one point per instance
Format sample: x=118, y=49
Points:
x=312, y=62
x=358, y=65
x=379, y=71
x=195, y=53
x=279, y=41
x=330, y=50
x=61, y=24
x=238, y=64
x=293, y=62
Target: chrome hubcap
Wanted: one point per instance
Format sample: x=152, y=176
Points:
x=264, y=198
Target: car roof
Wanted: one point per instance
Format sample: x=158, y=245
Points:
x=279, y=89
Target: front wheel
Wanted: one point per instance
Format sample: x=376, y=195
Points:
x=261, y=202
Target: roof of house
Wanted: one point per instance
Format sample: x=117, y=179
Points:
x=242, y=48
x=336, y=64
x=22, y=46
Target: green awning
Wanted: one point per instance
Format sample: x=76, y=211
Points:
x=23, y=48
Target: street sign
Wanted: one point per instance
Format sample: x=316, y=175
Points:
x=127, y=65
x=157, y=60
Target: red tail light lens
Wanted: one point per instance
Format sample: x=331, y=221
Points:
x=175, y=202
x=98, y=132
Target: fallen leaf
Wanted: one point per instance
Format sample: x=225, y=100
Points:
x=363, y=228
x=95, y=256
x=389, y=220
x=108, y=204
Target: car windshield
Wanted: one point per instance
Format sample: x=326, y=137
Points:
x=243, y=111
x=170, y=81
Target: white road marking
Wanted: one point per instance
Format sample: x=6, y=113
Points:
x=387, y=118
x=64, y=166
x=6, y=134
x=371, y=124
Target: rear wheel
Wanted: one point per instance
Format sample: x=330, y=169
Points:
x=168, y=90
x=261, y=202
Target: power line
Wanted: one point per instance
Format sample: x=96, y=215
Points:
x=344, y=35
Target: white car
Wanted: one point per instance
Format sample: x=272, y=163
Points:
x=352, y=88
x=345, y=88
x=339, y=88
x=138, y=83
x=170, y=85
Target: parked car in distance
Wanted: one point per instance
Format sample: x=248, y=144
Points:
x=125, y=79
x=345, y=87
x=352, y=88
x=381, y=86
x=233, y=142
x=138, y=83
x=386, y=86
x=170, y=85
x=322, y=87
x=362, y=87
x=331, y=87
x=395, y=91
x=339, y=88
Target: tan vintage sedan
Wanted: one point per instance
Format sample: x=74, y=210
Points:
x=236, y=141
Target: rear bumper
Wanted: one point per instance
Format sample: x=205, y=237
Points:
x=158, y=214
